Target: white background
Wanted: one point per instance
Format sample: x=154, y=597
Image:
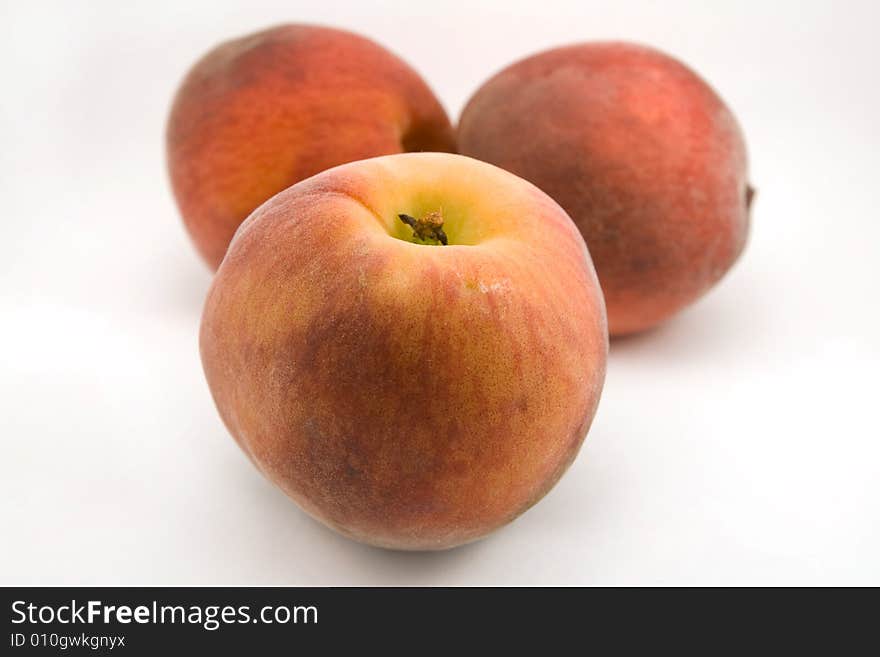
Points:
x=739, y=444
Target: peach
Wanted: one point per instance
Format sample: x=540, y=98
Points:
x=260, y=113
x=412, y=347
x=642, y=154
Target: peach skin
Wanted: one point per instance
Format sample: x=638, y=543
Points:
x=412, y=347
x=260, y=113
x=642, y=154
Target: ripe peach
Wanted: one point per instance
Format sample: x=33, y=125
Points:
x=412, y=346
x=642, y=154
x=259, y=113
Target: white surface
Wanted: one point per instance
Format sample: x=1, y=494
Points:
x=739, y=444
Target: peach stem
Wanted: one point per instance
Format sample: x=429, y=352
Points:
x=428, y=229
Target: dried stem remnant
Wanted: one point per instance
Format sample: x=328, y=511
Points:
x=428, y=229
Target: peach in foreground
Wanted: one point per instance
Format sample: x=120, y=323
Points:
x=412, y=347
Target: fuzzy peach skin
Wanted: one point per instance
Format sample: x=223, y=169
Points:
x=412, y=396
x=642, y=154
x=259, y=113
